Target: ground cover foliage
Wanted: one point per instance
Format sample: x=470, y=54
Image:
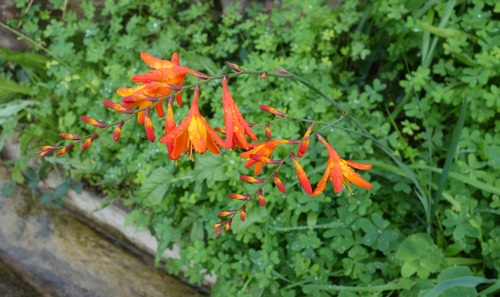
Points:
x=421, y=76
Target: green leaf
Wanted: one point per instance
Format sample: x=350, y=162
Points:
x=419, y=254
x=9, y=86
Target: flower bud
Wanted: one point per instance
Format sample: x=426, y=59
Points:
x=252, y=180
x=282, y=71
x=305, y=143
x=65, y=149
x=243, y=213
x=233, y=66
x=268, y=130
x=68, y=136
x=226, y=213
x=228, y=224
x=117, y=107
x=118, y=131
x=272, y=110
x=89, y=141
x=148, y=125
x=94, y=122
x=279, y=183
x=240, y=196
x=260, y=196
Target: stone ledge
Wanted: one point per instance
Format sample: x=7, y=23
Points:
x=111, y=218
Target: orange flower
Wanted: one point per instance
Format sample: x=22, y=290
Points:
x=167, y=72
x=193, y=134
x=236, y=126
x=262, y=151
x=155, y=84
x=139, y=96
x=339, y=172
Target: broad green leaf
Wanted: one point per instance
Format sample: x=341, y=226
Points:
x=419, y=254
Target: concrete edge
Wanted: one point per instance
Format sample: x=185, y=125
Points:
x=110, y=218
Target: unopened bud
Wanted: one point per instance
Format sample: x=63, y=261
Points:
x=240, y=196
x=260, y=196
x=94, y=122
x=268, y=130
x=243, y=213
x=118, y=131
x=89, y=141
x=233, y=66
x=202, y=76
x=272, y=110
x=117, y=107
x=69, y=136
x=65, y=149
x=279, y=184
x=282, y=71
x=226, y=213
x=228, y=224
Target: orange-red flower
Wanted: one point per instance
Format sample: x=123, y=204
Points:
x=193, y=134
x=236, y=126
x=167, y=72
x=339, y=172
x=262, y=151
x=138, y=96
x=155, y=84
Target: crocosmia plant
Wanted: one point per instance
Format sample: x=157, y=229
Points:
x=162, y=87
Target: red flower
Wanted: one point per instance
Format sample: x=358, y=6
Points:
x=236, y=126
x=340, y=173
x=193, y=134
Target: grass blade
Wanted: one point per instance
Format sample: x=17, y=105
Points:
x=450, y=155
x=464, y=281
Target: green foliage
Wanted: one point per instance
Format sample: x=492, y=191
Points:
x=420, y=76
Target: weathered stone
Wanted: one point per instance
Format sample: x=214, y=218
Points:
x=61, y=256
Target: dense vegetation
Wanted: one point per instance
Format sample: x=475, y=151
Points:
x=421, y=76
